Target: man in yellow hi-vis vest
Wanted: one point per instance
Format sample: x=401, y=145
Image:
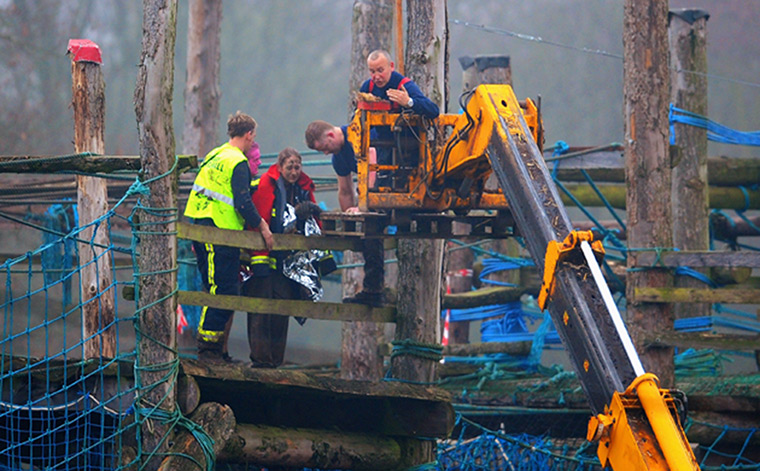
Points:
x=221, y=198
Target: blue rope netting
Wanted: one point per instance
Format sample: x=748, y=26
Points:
x=57, y=409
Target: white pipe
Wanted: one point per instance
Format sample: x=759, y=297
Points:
x=601, y=283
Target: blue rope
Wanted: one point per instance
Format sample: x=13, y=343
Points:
x=686, y=271
x=715, y=131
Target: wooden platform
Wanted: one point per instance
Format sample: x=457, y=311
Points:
x=418, y=225
x=295, y=399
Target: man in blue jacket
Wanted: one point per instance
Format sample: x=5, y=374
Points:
x=403, y=93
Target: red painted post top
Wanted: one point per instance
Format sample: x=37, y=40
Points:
x=84, y=50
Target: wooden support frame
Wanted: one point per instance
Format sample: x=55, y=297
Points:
x=699, y=340
x=253, y=241
x=745, y=295
x=308, y=309
x=93, y=163
x=695, y=259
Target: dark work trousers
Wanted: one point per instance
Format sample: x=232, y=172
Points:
x=268, y=333
x=374, y=265
x=219, y=266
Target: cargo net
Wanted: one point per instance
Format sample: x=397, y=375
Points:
x=480, y=448
x=69, y=360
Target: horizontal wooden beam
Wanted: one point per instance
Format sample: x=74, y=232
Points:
x=294, y=399
x=90, y=164
x=285, y=307
x=473, y=349
x=701, y=340
x=748, y=295
x=252, y=240
x=297, y=448
x=694, y=259
x=609, y=166
x=482, y=297
x=720, y=196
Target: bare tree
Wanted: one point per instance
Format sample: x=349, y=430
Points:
x=156, y=354
x=202, y=84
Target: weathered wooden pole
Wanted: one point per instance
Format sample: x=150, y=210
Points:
x=421, y=261
x=89, y=103
x=485, y=69
x=202, y=83
x=371, y=26
x=476, y=71
x=156, y=366
x=688, y=91
x=298, y=448
x=648, y=175
x=398, y=42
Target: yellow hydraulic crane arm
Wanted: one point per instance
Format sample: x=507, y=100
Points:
x=640, y=429
x=639, y=426
x=465, y=154
x=636, y=423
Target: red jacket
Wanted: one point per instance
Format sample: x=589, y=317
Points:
x=270, y=200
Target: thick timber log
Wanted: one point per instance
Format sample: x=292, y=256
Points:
x=310, y=448
x=688, y=91
x=157, y=318
x=188, y=394
x=703, y=341
x=83, y=162
x=607, y=165
x=737, y=294
x=720, y=197
x=371, y=27
x=293, y=399
x=217, y=421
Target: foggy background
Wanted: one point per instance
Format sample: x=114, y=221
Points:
x=286, y=62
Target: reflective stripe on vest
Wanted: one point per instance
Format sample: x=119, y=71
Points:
x=213, y=194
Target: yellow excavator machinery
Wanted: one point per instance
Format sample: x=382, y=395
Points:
x=444, y=165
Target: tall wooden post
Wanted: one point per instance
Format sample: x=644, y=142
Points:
x=157, y=340
x=476, y=71
x=202, y=83
x=96, y=276
x=648, y=174
x=421, y=261
x=371, y=27
x=688, y=91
